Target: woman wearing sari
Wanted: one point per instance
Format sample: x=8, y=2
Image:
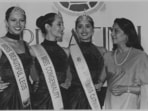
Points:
x=126, y=69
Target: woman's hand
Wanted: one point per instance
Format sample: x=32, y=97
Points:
x=66, y=84
x=98, y=86
x=3, y=85
x=119, y=90
x=35, y=86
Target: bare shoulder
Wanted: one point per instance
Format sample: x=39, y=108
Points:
x=32, y=53
x=29, y=47
x=66, y=51
x=27, y=44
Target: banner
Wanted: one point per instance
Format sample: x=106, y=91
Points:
x=84, y=75
x=50, y=75
x=19, y=73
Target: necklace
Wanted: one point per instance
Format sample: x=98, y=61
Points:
x=123, y=61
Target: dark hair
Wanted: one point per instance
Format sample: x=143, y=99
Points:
x=46, y=19
x=90, y=20
x=8, y=12
x=129, y=29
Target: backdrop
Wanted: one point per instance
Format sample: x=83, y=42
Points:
x=103, y=12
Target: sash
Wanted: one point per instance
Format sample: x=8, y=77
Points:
x=84, y=75
x=50, y=75
x=19, y=73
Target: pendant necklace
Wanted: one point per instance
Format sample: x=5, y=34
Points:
x=123, y=61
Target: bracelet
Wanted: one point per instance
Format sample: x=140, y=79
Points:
x=128, y=89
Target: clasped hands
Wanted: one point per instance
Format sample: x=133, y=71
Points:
x=116, y=90
x=119, y=90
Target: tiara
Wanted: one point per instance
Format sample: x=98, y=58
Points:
x=84, y=17
x=18, y=9
x=59, y=14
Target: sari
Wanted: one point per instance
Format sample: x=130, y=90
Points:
x=133, y=72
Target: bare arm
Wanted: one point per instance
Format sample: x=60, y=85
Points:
x=119, y=90
x=33, y=71
x=101, y=80
x=102, y=76
x=68, y=79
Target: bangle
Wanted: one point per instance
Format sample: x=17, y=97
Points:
x=128, y=89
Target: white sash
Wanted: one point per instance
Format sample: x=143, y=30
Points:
x=19, y=73
x=50, y=75
x=84, y=75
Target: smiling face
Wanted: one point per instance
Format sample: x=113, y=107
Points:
x=16, y=22
x=118, y=36
x=57, y=28
x=84, y=29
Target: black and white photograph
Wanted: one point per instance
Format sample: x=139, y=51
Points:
x=73, y=54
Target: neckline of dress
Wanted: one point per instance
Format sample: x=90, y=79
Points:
x=124, y=60
x=13, y=36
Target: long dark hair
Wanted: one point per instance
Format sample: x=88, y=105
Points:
x=129, y=29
